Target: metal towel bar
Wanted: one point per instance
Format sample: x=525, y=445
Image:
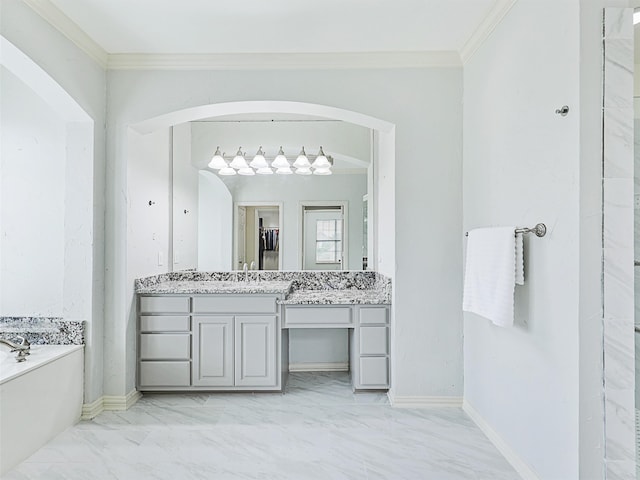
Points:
x=540, y=230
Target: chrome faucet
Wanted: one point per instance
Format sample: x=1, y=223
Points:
x=21, y=348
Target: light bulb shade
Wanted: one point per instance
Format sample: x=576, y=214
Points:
x=217, y=161
x=284, y=171
x=322, y=171
x=246, y=171
x=302, y=161
x=264, y=171
x=303, y=171
x=259, y=161
x=238, y=161
x=226, y=171
x=280, y=161
x=321, y=161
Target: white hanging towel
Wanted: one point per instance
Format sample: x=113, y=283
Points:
x=494, y=266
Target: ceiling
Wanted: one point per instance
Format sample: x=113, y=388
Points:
x=277, y=26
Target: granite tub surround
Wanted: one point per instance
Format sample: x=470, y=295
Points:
x=297, y=287
x=43, y=330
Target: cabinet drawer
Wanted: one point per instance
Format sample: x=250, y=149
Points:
x=235, y=305
x=164, y=304
x=163, y=346
x=165, y=374
x=374, y=372
x=373, y=315
x=317, y=316
x=374, y=341
x=165, y=323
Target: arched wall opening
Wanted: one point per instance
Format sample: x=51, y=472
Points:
x=150, y=148
x=46, y=218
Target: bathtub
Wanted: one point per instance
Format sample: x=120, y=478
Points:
x=39, y=398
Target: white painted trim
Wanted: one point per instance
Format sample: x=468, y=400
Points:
x=261, y=106
x=54, y=16
x=319, y=367
x=525, y=471
x=283, y=61
x=485, y=29
x=110, y=403
x=119, y=402
x=29, y=72
x=414, y=401
x=93, y=409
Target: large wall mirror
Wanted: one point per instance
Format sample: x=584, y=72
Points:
x=276, y=221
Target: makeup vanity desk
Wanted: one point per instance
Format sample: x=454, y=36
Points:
x=208, y=331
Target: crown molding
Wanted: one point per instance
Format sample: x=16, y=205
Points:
x=290, y=61
x=69, y=29
x=485, y=29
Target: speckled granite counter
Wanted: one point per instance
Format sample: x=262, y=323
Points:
x=299, y=287
x=213, y=286
x=351, y=296
x=43, y=330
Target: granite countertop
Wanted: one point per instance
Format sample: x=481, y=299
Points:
x=206, y=286
x=351, y=296
x=296, y=287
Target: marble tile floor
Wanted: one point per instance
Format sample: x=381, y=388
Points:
x=318, y=429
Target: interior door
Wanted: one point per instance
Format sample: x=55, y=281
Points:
x=323, y=243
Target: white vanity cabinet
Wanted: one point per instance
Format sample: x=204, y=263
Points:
x=235, y=351
x=218, y=342
x=369, y=337
x=370, y=348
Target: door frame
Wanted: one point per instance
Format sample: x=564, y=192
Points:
x=258, y=204
x=344, y=205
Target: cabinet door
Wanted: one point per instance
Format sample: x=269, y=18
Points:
x=255, y=351
x=212, y=351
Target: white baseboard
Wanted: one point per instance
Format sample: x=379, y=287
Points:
x=414, y=401
x=525, y=471
x=319, y=367
x=110, y=403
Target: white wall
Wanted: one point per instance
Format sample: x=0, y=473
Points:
x=148, y=231
x=184, y=184
x=32, y=216
x=425, y=106
x=215, y=224
x=521, y=166
x=84, y=81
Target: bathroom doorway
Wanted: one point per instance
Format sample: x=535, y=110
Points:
x=258, y=236
x=324, y=236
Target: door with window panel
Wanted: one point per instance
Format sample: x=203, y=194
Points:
x=323, y=239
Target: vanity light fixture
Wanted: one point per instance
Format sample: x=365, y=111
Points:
x=321, y=165
x=217, y=161
x=280, y=161
x=303, y=171
x=259, y=161
x=284, y=171
x=238, y=161
x=321, y=161
x=226, y=171
x=302, y=161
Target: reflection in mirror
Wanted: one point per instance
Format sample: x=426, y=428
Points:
x=257, y=236
x=215, y=235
